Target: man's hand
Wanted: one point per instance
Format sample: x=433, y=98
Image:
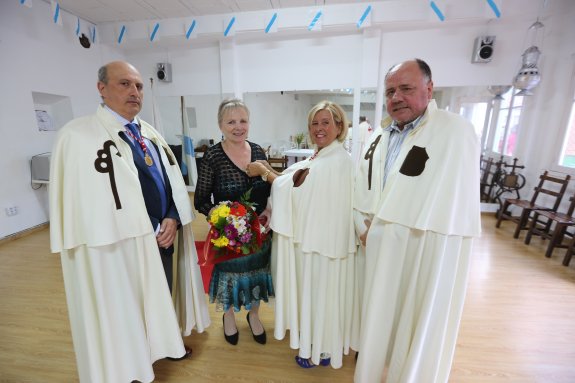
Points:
x=167, y=234
x=363, y=237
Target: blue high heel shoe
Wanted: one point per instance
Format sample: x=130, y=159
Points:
x=307, y=363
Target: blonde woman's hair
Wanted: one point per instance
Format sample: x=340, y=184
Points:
x=337, y=113
x=228, y=104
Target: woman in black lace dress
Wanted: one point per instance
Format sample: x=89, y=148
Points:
x=246, y=280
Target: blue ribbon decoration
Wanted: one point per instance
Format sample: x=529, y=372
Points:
x=272, y=21
x=153, y=35
x=229, y=26
x=314, y=21
x=494, y=7
x=364, y=16
x=56, y=13
x=121, y=36
x=437, y=11
x=190, y=29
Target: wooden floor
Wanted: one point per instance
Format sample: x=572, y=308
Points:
x=518, y=323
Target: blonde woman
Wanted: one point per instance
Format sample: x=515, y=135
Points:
x=313, y=252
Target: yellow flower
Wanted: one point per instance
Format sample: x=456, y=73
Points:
x=220, y=242
x=224, y=211
x=214, y=217
x=220, y=211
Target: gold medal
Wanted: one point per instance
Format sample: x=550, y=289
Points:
x=148, y=159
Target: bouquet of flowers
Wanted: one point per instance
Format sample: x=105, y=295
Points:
x=234, y=231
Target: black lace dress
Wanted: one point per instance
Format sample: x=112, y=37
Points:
x=246, y=280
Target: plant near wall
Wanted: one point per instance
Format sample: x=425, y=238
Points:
x=299, y=139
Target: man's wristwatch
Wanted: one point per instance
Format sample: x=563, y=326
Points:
x=265, y=175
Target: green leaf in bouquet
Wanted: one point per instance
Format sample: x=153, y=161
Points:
x=245, y=200
x=222, y=221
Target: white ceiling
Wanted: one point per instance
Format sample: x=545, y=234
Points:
x=102, y=11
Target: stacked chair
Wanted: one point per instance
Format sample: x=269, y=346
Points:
x=553, y=226
x=569, y=252
x=547, y=196
x=486, y=183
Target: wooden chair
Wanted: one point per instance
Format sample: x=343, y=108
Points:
x=484, y=169
x=552, y=226
x=201, y=149
x=279, y=163
x=550, y=186
x=569, y=252
x=490, y=171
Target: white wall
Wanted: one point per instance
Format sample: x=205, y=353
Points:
x=37, y=56
x=46, y=58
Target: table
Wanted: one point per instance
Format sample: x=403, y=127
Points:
x=295, y=155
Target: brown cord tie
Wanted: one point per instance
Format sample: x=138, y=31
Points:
x=369, y=156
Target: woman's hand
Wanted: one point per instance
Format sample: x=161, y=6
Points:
x=265, y=218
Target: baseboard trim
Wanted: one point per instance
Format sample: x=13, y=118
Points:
x=24, y=233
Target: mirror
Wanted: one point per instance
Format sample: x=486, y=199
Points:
x=277, y=117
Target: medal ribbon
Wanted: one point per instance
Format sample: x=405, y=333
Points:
x=133, y=131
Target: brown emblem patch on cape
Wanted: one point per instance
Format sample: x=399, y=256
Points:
x=414, y=162
x=299, y=176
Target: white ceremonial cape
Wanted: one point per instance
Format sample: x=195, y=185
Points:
x=418, y=250
x=366, y=199
x=121, y=313
x=363, y=136
x=313, y=256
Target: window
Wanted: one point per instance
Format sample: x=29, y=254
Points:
x=507, y=125
x=476, y=113
x=568, y=152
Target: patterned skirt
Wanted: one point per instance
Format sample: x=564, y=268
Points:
x=242, y=281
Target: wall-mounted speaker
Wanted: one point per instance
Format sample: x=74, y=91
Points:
x=84, y=41
x=483, y=49
x=164, y=72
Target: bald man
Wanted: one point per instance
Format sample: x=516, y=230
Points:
x=118, y=205
x=416, y=211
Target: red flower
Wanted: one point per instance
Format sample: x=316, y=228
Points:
x=238, y=210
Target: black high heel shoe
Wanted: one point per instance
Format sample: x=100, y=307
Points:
x=261, y=339
x=231, y=339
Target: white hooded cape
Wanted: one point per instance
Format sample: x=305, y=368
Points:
x=418, y=250
x=121, y=312
x=313, y=256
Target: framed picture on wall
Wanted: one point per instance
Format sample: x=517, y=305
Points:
x=44, y=121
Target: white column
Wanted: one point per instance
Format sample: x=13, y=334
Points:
x=379, y=100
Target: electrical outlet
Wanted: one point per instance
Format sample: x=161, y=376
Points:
x=11, y=211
